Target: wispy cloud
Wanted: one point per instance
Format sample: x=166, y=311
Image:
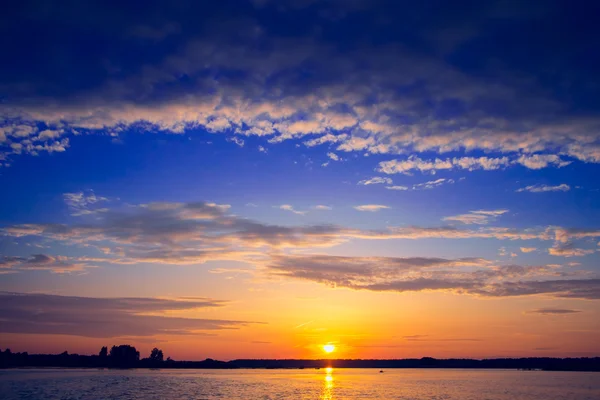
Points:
x=553, y=311
x=84, y=203
x=376, y=180
x=240, y=142
x=474, y=276
x=290, y=208
x=432, y=184
x=44, y=262
x=112, y=317
x=541, y=188
x=479, y=217
x=397, y=187
x=371, y=207
x=321, y=207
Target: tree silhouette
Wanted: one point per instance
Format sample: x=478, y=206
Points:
x=103, y=352
x=156, y=355
x=124, y=356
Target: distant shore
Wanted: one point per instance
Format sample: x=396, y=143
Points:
x=65, y=360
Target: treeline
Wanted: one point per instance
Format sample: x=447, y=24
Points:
x=123, y=356
x=126, y=356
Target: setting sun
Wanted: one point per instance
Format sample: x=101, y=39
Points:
x=329, y=348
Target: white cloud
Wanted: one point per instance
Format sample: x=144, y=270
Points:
x=371, y=207
x=322, y=207
x=528, y=249
x=569, y=250
x=397, y=187
x=479, y=217
x=376, y=180
x=48, y=134
x=541, y=188
x=432, y=184
x=262, y=149
x=485, y=163
x=288, y=207
x=236, y=140
x=84, y=203
x=328, y=138
x=539, y=161
x=415, y=163
x=333, y=156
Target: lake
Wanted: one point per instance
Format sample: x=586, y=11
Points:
x=330, y=384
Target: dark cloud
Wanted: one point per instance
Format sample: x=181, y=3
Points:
x=43, y=262
x=104, y=317
x=389, y=75
x=468, y=276
x=553, y=311
x=572, y=288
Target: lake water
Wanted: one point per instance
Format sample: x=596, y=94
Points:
x=414, y=384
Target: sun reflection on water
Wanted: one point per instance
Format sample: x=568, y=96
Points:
x=328, y=385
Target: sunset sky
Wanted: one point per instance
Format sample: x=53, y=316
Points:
x=257, y=179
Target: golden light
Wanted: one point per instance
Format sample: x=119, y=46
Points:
x=329, y=348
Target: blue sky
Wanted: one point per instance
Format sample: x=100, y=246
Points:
x=245, y=135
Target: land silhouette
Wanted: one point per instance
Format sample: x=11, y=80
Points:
x=127, y=356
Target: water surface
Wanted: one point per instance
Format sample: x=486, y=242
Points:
x=414, y=384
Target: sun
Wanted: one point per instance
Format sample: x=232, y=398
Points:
x=329, y=348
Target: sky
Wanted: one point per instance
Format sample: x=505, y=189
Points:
x=257, y=179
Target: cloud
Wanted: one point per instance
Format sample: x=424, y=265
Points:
x=376, y=180
x=111, y=317
x=569, y=250
x=473, y=276
x=243, y=76
x=371, y=207
x=333, y=156
x=288, y=207
x=432, y=184
x=528, y=249
x=571, y=288
x=415, y=163
x=84, y=203
x=479, y=217
x=397, y=187
x=553, y=311
x=43, y=262
x=359, y=271
x=197, y=232
x=565, y=235
x=321, y=207
x=328, y=138
x=539, y=161
x=540, y=188
x=238, y=141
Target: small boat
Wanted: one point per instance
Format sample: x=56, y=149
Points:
x=381, y=371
